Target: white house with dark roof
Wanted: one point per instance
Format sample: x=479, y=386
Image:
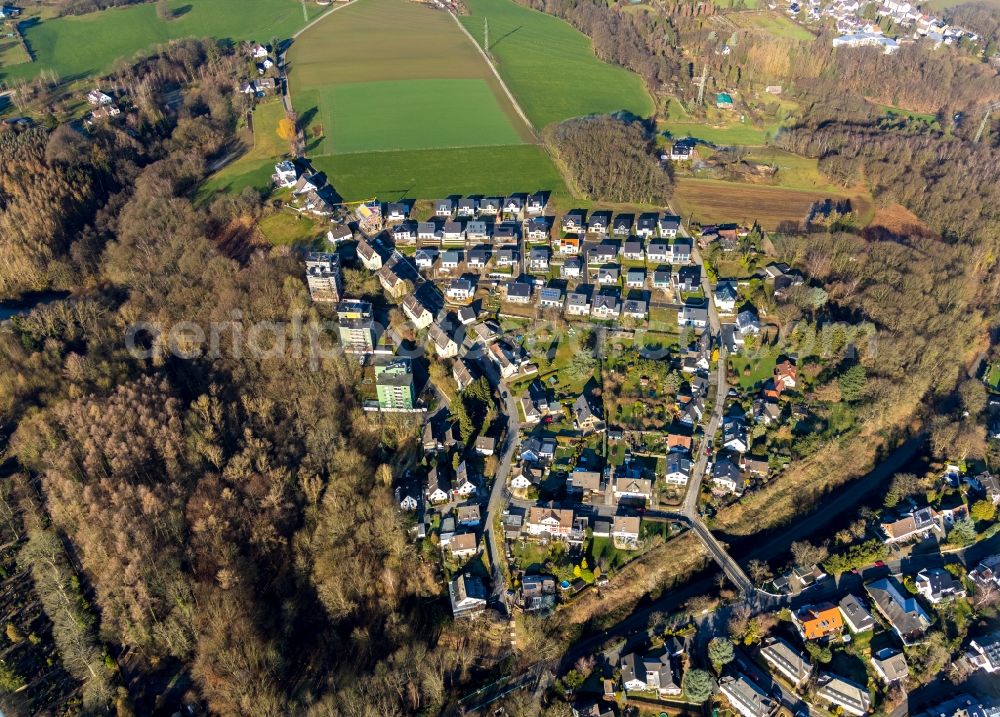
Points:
x=890, y=665
x=856, y=615
x=852, y=698
x=788, y=661
x=937, y=585
x=746, y=697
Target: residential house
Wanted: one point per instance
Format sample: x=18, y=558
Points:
x=788, y=661
x=786, y=374
x=602, y=254
x=636, y=309
x=490, y=206
x=756, y=466
x=535, y=589
x=478, y=258
x=917, y=524
x=726, y=296
x=538, y=450
x=444, y=208
x=286, y=174
x=536, y=203
x=658, y=252
x=668, y=226
x=678, y=468
x=587, y=420
x=550, y=297
x=584, y=482
x=632, y=250
x=468, y=595
x=499, y=354
x=635, y=278
x=890, y=665
x=397, y=212
x=323, y=276
x=549, y=522
x=746, y=697
x=512, y=208
x=599, y=222
x=356, y=326
x=460, y=289
x=408, y=497
x=577, y=303
x=937, y=585
x=855, y=614
x=464, y=545
x=463, y=485
x=486, y=445
x=605, y=307
x=649, y=674
x=538, y=259
x=747, y=323
x=572, y=268
x=647, y=224
x=525, y=476
x=96, y=98
x=405, y=233
x=680, y=251
x=608, y=275
x=661, y=278
x=338, y=234
x=438, y=486
x=678, y=439
x=850, y=697
x=477, y=230
x=444, y=345
x=453, y=233
x=622, y=225
x=984, y=653
x=450, y=259
x=986, y=575
x=505, y=257
x=734, y=434
x=394, y=284
x=574, y=222
x=727, y=476
x=680, y=151
x=903, y=612
x=631, y=488
x=467, y=207
x=568, y=245
x=486, y=332
x=817, y=622
x=538, y=230
x=595, y=709
x=461, y=373
x=369, y=256
x=689, y=278
x=467, y=315
x=425, y=258
x=625, y=529
x=519, y=292
x=428, y=232
x=416, y=312
x=307, y=183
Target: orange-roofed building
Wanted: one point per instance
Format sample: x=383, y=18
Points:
x=818, y=621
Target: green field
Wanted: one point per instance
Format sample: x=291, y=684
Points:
x=255, y=166
x=79, y=46
x=726, y=133
x=413, y=114
x=551, y=67
x=395, y=75
x=773, y=23
x=430, y=174
x=396, y=101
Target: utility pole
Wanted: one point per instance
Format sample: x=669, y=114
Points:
x=486, y=34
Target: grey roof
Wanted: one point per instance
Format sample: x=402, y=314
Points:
x=855, y=614
x=786, y=659
x=903, y=612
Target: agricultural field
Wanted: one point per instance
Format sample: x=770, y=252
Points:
x=709, y=200
x=391, y=75
x=83, y=45
x=429, y=174
x=550, y=67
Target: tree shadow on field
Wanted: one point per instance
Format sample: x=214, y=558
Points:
x=181, y=11
x=504, y=37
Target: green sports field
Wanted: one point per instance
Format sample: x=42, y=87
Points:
x=83, y=45
x=550, y=67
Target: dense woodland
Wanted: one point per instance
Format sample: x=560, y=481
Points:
x=229, y=521
x=611, y=159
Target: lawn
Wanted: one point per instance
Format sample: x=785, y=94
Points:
x=429, y=174
x=11, y=52
x=254, y=167
x=286, y=227
x=551, y=67
x=772, y=23
x=761, y=368
x=709, y=200
x=82, y=45
x=723, y=133
x=384, y=75
x=366, y=116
